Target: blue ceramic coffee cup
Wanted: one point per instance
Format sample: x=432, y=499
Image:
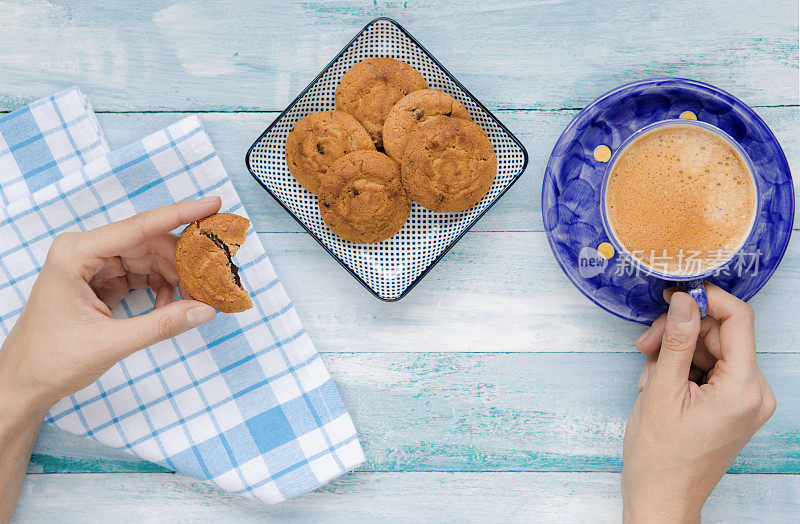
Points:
x=693, y=283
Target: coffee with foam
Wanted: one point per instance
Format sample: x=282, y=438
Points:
x=681, y=199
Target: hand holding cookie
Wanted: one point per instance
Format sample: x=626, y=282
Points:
x=67, y=336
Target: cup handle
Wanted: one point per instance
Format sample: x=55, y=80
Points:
x=697, y=290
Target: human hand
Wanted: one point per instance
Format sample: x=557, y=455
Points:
x=66, y=336
x=681, y=437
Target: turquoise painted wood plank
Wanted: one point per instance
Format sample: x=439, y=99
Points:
x=518, y=210
x=487, y=276
x=388, y=497
x=206, y=55
x=492, y=412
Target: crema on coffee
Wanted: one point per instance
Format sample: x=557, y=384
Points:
x=681, y=199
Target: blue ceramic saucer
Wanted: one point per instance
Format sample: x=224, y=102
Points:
x=572, y=186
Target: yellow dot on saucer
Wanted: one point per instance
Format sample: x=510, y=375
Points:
x=605, y=250
x=602, y=153
x=688, y=115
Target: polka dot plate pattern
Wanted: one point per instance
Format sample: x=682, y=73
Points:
x=571, y=192
x=388, y=269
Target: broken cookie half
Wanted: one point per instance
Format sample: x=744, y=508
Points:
x=203, y=260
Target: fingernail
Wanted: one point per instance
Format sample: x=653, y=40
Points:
x=680, y=308
x=208, y=200
x=643, y=336
x=200, y=315
x=646, y=369
x=642, y=379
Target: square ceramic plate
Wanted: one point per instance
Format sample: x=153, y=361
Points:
x=388, y=269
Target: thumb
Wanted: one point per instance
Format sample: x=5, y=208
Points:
x=671, y=371
x=132, y=334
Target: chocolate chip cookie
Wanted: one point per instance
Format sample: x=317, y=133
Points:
x=370, y=89
x=448, y=164
x=412, y=111
x=203, y=260
x=318, y=140
x=362, y=199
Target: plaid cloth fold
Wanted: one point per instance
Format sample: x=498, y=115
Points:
x=47, y=140
x=244, y=402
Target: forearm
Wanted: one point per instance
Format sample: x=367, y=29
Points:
x=20, y=422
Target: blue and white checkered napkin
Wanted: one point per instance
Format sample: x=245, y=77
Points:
x=47, y=140
x=243, y=402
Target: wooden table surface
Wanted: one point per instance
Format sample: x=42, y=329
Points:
x=494, y=390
